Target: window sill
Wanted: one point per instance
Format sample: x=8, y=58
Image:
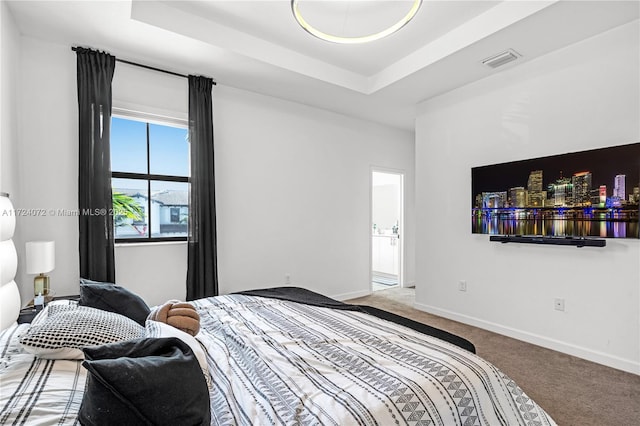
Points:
x=150, y=243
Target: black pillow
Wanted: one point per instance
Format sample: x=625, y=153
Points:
x=144, y=381
x=113, y=298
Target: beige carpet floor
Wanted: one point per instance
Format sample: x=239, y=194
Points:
x=573, y=391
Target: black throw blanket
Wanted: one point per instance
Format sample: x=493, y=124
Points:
x=308, y=297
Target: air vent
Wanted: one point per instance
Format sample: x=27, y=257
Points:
x=501, y=58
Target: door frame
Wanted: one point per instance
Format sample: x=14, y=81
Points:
x=401, y=222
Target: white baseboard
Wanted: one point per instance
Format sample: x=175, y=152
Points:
x=352, y=295
x=409, y=284
x=609, y=360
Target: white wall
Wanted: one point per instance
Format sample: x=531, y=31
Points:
x=48, y=159
x=292, y=183
x=9, y=63
x=155, y=271
x=293, y=188
x=582, y=97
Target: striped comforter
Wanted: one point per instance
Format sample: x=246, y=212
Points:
x=36, y=391
x=278, y=362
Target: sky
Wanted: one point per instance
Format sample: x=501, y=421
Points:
x=168, y=146
x=604, y=164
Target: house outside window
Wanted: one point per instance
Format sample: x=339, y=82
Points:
x=149, y=178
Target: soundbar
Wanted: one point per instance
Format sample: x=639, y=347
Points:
x=539, y=239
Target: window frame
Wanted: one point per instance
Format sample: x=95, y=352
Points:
x=148, y=119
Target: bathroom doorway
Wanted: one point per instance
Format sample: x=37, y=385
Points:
x=386, y=228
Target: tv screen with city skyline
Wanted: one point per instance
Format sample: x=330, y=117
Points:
x=593, y=193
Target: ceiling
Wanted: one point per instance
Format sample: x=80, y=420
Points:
x=258, y=46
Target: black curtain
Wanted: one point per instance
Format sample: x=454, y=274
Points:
x=202, y=269
x=95, y=72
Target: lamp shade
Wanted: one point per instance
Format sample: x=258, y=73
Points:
x=40, y=256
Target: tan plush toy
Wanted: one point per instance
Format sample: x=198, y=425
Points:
x=180, y=315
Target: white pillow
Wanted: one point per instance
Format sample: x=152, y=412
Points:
x=160, y=329
x=43, y=314
x=61, y=331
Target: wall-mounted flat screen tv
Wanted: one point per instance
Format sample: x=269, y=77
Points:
x=593, y=193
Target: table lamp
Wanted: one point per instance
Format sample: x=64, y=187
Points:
x=40, y=260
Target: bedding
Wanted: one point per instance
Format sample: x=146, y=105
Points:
x=276, y=361
x=159, y=329
x=273, y=361
x=113, y=298
x=61, y=331
x=149, y=381
x=308, y=297
x=36, y=390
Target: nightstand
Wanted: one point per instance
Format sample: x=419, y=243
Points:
x=27, y=314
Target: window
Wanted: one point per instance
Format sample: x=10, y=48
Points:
x=175, y=214
x=149, y=180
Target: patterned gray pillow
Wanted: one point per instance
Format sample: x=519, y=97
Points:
x=66, y=329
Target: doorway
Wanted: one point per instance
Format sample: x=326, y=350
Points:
x=387, y=189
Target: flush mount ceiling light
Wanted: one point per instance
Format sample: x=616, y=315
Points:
x=337, y=15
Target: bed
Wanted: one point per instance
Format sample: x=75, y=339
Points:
x=277, y=361
x=268, y=357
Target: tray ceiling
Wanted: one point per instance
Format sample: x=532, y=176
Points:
x=258, y=46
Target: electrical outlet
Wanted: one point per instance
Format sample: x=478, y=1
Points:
x=287, y=279
x=558, y=304
x=462, y=285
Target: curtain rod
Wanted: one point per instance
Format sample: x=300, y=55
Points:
x=147, y=67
